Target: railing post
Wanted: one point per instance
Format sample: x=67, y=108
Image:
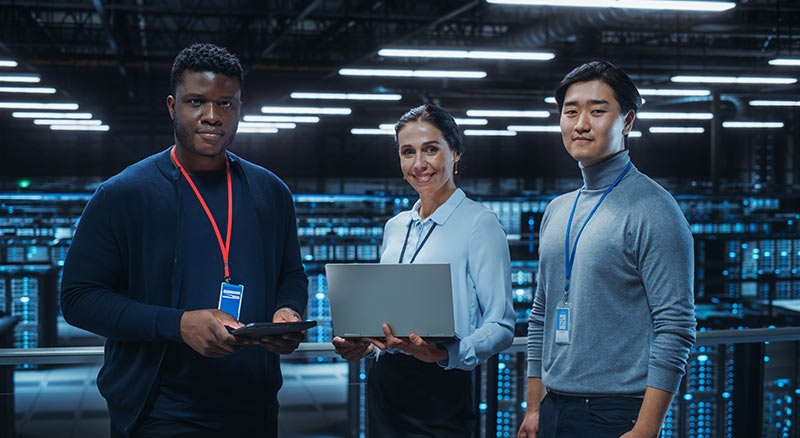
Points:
x=748, y=390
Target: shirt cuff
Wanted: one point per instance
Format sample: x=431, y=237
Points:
x=534, y=368
x=664, y=380
x=168, y=324
x=452, y=356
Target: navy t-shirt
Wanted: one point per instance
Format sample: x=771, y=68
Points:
x=233, y=391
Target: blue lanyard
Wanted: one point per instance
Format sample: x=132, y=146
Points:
x=571, y=259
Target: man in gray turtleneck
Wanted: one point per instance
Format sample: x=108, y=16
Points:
x=613, y=316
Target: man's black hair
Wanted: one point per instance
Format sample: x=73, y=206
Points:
x=624, y=89
x=202, y=58
x=437, y=117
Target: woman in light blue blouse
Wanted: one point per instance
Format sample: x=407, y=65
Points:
x=423, y=388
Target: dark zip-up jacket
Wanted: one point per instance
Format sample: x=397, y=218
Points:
x=119, y=275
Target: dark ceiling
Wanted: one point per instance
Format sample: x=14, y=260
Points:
x=113, y=58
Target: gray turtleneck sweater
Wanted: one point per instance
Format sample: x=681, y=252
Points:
x=631, y=291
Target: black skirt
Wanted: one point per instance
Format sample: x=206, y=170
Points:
x=407, y=397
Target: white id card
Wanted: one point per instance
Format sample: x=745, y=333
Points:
x=230, y=298
x=562, y=325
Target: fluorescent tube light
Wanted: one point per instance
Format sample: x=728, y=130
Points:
x=775, y=103
x=256, y=130
x=635, y=134
x=507, y=113
x=305, y=110
x=39, y=90
x=345, y=96
x=468, y=54
x=490, y=132
x=412, y=73
x=784, y=61
x=7, y=63
x=672, y=92
x=371, y=131
x=291, y=119
x=550, y=99
x=66, y=122
x=534, y=128
x=19, y=78
x=732, y=80
x=276, y=125
x=645, y=115
x=676, y=130
x=37, y=105
x=470, y=122
x=35, y=115
x=79, y=128
x=667, y=5
x=752, y=124
x=459, y=122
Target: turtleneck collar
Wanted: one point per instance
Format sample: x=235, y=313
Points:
x=602, y=174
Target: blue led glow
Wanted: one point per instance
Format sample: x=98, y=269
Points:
x=732, y=254
x=501, y=366
x=726, y=394
x=702, y=358
x=687, y=397
x=524, y=405
x=482, y=406
x=766, y=358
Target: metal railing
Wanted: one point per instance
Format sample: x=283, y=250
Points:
x=90, y=355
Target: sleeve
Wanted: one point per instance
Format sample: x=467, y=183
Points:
x=292, y=289
x=489, y=266
x=536, y=329
x=536, y=317
x=93, y=287
x=666, y=264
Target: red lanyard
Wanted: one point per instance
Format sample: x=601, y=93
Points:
x=224, y=247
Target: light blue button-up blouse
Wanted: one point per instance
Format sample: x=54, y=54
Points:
x=469, y=237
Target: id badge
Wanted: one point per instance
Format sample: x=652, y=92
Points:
x=562, y=324
x=230, y=298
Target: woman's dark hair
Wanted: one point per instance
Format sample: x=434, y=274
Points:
x=202, y=58
x=437, y=117
x=624, y=89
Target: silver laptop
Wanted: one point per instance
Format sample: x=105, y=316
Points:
x=408, y=297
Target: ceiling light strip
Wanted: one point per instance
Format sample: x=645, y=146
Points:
x=738, y=80
x=664, y=5
x=346, y=96
x=676, y=130
x=38, y=105
x=507, y=113
x=467, y=54
x=742, y=124
x=412, y=73
x=40, y=115
x=371, y=131
x=775, y=103
x=291, y=119
x=305, y=110
x=34, y=90
x=490, y=132
x=649, y=115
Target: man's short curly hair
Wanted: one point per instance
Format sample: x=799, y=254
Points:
x=202, y=58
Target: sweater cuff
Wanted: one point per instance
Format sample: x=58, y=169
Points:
x=534, y=368
x=168, y=324
x=453, y=355
x=664, y=380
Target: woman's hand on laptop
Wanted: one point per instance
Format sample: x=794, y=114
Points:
x=352, y=350
x=413, y=345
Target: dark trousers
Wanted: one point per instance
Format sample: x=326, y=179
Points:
x=410, y=398
x=587, y=417
x=151, y=427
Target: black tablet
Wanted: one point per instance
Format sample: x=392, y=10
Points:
x=257, y=330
